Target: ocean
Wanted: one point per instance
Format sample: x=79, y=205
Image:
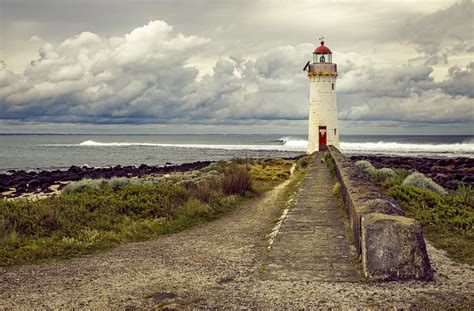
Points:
x=46, y=152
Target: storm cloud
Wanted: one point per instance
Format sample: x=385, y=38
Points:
x=155, y=74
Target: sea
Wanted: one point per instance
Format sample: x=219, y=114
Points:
x=48, y=152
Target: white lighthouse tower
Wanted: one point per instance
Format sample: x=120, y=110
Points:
x=322, y=74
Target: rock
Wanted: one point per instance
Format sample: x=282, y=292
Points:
x=387, y=258
x=34, y=183
x=20, y=189
x=468, y=179
x=75, y=169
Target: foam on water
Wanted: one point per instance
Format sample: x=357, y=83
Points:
x=295, y=144
x=395, y=147
x=286, y=146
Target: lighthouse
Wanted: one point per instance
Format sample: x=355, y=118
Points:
x=322, y=74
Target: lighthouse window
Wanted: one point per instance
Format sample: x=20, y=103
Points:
x=332, y=86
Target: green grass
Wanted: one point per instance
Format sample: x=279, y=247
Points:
x=96, y=215
x=266, y=174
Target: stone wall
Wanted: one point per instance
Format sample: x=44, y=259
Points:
x=390, y=245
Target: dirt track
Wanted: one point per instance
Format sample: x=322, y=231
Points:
x=216, y=265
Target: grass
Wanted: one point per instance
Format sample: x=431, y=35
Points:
x=446, y=216
x=266, y=174
x=92, y=215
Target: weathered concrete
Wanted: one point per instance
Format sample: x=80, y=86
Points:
x=390, y=246
x=312, y=243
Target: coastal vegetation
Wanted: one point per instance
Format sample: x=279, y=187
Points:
x=91, y=215
x=447, y=216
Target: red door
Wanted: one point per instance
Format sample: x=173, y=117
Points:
x=322, y=138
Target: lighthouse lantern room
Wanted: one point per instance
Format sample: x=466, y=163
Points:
x=322, y=74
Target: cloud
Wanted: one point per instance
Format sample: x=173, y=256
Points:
x=146, y=77
x=151, y=75
x=460, y=82
x=141, y=74
x=432, y=107
x=443, y=34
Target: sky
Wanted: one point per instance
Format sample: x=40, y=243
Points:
x=175, y=66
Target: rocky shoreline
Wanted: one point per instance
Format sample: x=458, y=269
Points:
x=15, y=183
x=447, y=172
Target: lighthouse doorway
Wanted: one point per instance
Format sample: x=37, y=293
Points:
x=322, y=138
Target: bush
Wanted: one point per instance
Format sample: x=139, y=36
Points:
x=383, y=174
x=431, y=208
x=116, y=182
x=303, y=162
x=329, y=161
x=206, y=190
x=97, y=214
x=465, y=193
x=419, y=180
x=366, y=167
x=77, y=186
x=194, y=208
x=236, y=180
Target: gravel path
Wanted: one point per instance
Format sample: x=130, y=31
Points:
x=217, y=265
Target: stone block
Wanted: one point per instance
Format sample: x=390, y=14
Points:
x=393, y=248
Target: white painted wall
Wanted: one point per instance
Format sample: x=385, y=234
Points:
x=322, y=110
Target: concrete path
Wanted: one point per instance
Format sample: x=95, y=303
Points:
x=312, y=243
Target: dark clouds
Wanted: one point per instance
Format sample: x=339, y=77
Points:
x=151, y=75
x=444, y=34
x=460, y=82
x=147, y=76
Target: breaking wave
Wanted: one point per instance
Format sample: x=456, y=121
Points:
x=465, y=149
x=396, y=148
x=275, y=147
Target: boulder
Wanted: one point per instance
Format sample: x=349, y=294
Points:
x=34, y=183
x=393, y=248
x=74, y=169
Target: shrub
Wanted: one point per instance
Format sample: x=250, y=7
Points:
x=303, y=162
x=465, y=193
x=205, y=190
x=366, y=167
x=419, y=180
x=77, y=186
x=96, y=214
x=327, y=158
x=236, y=180
x=383, y=174
x=430, y=208
x=116, y=182
x=194, y=208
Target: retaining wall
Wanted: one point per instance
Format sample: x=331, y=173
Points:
x=391, y=246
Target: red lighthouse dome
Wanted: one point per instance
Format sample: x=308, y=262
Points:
x=322, y=49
